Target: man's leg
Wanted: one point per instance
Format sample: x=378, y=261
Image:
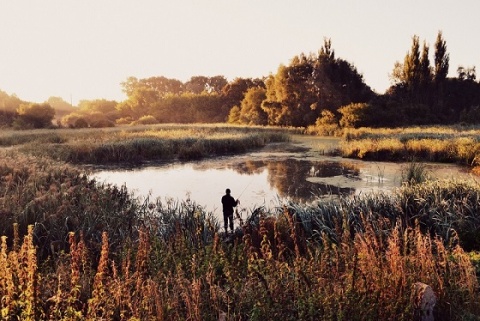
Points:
x=231, y=222
x=225, y=222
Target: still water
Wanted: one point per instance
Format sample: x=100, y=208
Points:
x=265, y=181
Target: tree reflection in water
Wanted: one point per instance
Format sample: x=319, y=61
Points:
x=289, y=177
x=256, y=182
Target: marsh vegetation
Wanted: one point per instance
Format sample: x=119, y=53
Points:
x=134, y=145
x=77, y=249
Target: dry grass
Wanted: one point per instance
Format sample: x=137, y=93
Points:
x=368, y=276
x=138, y=144
x=356, y=259
x=77, y=250
x=436, y=144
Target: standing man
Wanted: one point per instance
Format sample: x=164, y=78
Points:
x=228, y=203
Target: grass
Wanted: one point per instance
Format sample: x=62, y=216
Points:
x=415, y=173
x=435, y=144
x=75, y=249
x=78, y=250
x=135, y=145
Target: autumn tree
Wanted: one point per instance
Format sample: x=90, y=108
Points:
x=92, y=113
x=466, y=73
x=440, y=73
x=62, y=108
x=233, y=93
x=298, y=93
x=411, y=65
x=251, y=112
x=202, y=84
x=415, y=70
x=8, y=108
x=143, y=94
x=34, y=116
x=196, y=84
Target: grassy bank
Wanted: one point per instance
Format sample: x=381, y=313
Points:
x=94, y=252
x=135, y=145
x=435, y=144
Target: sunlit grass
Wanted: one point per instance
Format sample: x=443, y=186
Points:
x=142, y=143
x=436, y=144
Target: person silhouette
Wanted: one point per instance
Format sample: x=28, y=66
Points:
x=228, y=203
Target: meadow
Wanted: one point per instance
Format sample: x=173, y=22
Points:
x=138, y=144
x=75, y=249
x=452, y=144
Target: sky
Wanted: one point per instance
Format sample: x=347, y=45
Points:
x=85, y=49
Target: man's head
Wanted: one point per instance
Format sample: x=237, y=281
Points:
x=227, y=191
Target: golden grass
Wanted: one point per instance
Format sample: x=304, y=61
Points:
x=437, y=144
x=142, y=143
x=361, y=278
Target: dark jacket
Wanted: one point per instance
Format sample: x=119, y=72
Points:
x=228, y=203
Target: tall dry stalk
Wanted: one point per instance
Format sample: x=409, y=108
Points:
x=100, y=304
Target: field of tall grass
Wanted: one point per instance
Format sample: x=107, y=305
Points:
x=134, y=145
x=436, y=144
x=74, y=249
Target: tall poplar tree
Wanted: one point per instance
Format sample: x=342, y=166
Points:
x=411, y=64
x=441, y=58
x=425, y=70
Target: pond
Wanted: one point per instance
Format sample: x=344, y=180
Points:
x=268, y=177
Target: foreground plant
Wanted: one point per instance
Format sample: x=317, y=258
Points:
x=356, y=258
x=356, y=278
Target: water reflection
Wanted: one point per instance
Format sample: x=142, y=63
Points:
x=255, y=182
x=289, y=177
x=264, y=181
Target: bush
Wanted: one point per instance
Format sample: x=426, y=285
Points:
x=146, y=120
x=34, y=116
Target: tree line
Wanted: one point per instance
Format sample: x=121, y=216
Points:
x=318, y=89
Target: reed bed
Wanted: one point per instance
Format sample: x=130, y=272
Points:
x=435, y=144
x=271, y=272
x=56, y=199
x=75, y=249
x=135, y=145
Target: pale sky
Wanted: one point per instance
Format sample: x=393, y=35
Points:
x=84, y=49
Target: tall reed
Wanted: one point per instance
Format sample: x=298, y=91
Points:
x=81, y=251
x=147, y=143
